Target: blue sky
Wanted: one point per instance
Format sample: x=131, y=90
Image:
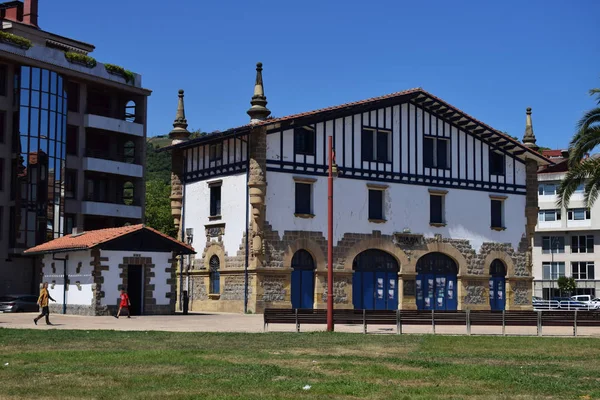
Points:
x=490, y=59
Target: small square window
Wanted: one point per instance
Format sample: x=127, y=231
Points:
x=215, y=201
x=376, y=204
x=215, y=152
x=497, y=163
x=303, y=198
x=304, y=141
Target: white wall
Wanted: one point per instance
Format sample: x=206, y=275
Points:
x=406, y=206
x=74, y=296
x=112, y=279
x=196, y=210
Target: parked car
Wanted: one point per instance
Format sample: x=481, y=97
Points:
x=566, y=303
x=19, y=303
x=587, y=299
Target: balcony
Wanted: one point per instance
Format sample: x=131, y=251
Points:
x=102, y=161
x=113, y=125
x=93, y=206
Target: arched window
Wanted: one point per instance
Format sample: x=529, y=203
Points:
x=128, y=193
x=497, y=268
x=130, y=111
x=303, y=260
x=436, y=263
x=215, y=276
x=129, y=152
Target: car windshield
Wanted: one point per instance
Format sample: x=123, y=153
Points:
x=7, y=298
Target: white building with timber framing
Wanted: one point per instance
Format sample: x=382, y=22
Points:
x=433, y=209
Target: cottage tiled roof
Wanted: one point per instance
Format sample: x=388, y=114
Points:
x=90, y=239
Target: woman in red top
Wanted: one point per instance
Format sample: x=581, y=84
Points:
x=124, y=304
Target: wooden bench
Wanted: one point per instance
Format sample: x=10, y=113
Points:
x=433, y=318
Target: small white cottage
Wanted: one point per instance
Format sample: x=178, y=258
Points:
x=86, y=271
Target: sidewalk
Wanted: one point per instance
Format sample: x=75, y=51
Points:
x=223, y=322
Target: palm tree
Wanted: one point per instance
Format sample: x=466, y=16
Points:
x=582, y=168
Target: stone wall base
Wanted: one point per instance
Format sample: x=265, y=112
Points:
x=72, y=309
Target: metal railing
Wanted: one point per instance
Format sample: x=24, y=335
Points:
x=562, y=305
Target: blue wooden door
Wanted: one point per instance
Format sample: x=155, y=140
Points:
x=392, y=291
x=497, y=293
x=368, y=290
x=380, y=291
x=451, y=292
x=308, y=289
x=296, y=288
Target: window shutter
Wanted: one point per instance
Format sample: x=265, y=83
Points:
x=428, y=152
x=382, y=146
x=367, y=145
x=496, y=208
x=435, y=209
x=303, y=198
x=442, y=153
x=375, y=204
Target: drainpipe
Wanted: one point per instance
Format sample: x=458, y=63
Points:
x=181, y=256
x=65, y=280
x=247, y=222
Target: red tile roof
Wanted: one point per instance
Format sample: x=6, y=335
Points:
x=552, y=153
x=91, y=239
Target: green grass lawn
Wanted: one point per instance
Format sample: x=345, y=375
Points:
x=141, y=365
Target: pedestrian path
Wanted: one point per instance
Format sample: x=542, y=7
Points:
x=223, y=322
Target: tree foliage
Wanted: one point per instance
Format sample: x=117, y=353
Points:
x=158, y=207
x=567, y=285
x=158, y=185
x=582, y=168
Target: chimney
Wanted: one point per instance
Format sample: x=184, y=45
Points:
x=14, y=13
x=30, y=13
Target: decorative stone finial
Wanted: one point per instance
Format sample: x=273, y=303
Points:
x=259, y=111
x=179, y=133
x=529, y=138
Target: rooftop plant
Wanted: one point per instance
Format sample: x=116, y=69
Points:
x=118, y=70
x=80, y=58
x=15, y=40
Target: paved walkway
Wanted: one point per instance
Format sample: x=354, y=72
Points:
x=222, y=322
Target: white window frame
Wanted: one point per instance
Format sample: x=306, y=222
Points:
x=578, y=266
x=587, y=215
x=542, y=189
x=553, y=240
x=555, y=270
x=557, y=215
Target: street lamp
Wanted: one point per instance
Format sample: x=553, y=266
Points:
x=189, y=235
x=332, y=172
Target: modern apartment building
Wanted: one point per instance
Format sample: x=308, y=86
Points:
x=72, y=142
x=567, y=240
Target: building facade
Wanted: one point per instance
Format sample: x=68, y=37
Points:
x=86, y=271
x=72, y=142
x=432, y=208
x=567, y=239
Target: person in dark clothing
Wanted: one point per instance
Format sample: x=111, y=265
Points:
x=43, y=302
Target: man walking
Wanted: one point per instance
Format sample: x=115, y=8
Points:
x=43, y=302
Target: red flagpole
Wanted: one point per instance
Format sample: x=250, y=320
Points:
x=330, y=239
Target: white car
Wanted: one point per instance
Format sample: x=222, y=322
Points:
x=588, y=299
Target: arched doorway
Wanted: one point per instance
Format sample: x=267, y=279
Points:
x=436, y=282
x=497, y=285
x=375, y=281
x=303, y=280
